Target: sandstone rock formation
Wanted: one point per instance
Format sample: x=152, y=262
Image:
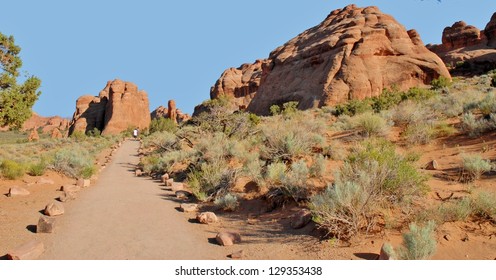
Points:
x=171, y=112
x=353, y=54
x=33, y=135
x=47, y=124
x=228, y=238
x=468, y=49
x=118, y=106
x=30, y=250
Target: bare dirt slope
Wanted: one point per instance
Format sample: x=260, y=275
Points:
x=126, y=217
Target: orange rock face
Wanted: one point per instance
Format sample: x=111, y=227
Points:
x=353, y=54
x=119, y=106
x=171, y=112
x=462, y=43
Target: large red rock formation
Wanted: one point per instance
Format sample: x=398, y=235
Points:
x=120, y=105
x=468, y=46
x=353, y=54
x=47, y=124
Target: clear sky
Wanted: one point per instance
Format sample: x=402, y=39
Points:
x=178, y=49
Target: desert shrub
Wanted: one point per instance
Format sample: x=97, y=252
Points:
x=163, y=141
x=162, y=124
x=369, y=124
x=252, y=167
x=334, y=150
x=447, y=105
x=78, y=136
x=443, y=129
x=288, y=138
x=275, y=110
x=386, y=100
x=460, y=210
x=87, y=171
x=222, y=119
x=475, y=166
x=286, y=109
x=343, y=209
x=353, y=107
x=209, y=180
x=474, y=126
x=409, y=112
x=487, y=105
x=318, y=168
x=419, y=243
x=376, y=165
x=372, y=178
x=95, y=132
x=37, y=169
x=484, y=205
x=440, y=83
x=12, y=169
x=227, y=202
x=421, y=133
x=287, y=184
x=72, y=161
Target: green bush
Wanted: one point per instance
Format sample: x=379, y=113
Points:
x=343, y=209
x=484, y=205
x=12, y=169
x=475, y=127
x=290, y=184
x=376, y=165
x=163, y=124
x=227, y=202
x=369, y=124
x=289, y=138
x=475, y=166
x=440, y=83
x=419, y=243
x=318, y=168
x=208, y=180
x=37, y=169
x=72, y=161
x=421, y=133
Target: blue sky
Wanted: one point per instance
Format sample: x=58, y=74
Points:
x=178, y=49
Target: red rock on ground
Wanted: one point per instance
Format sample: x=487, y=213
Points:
x=27, y=251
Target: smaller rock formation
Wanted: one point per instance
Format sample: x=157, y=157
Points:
x=56, y=134
x=467, y=49
x=47, y=124
x=171, y=112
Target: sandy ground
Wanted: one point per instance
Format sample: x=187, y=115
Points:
x=126, y=217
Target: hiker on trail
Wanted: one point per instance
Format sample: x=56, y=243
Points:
x=135, y=133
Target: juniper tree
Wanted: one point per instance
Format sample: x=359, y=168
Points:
x=16, y=99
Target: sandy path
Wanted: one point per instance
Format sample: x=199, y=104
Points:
x=126, y=217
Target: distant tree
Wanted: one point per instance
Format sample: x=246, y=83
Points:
x=16, y=100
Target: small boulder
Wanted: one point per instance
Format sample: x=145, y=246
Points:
x=138, y=172
x=67, y=196
x=45, y=181
x=169, y=182
x=54, y=209
x=237, y=255
x=183, y=194
x=207, y=218
x=189, y=207
x=228, y=238
x=45, y=225
x=164, y=177
x=17, y=191
x=301, y=218
x=27, y=251
x=177, y=186
x=432, y=165
x=70, y=188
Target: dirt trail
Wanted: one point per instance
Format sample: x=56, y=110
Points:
x=126, y=217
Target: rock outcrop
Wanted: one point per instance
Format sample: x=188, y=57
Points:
x=353, y=54
x=171, y=112
x=119, y=105
x=47, y=124
x=468, y=49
